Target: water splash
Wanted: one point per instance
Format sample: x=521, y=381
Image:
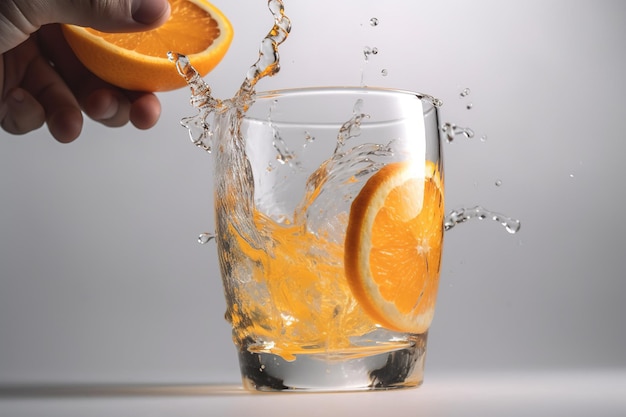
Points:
x=268, y=63
x=200, y=126
x=352, y=127
x=219, y=120
x=283, y=154
x=462, y=215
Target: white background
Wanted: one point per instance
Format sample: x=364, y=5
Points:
x=101, y=277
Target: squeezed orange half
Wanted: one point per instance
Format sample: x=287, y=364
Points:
x=138, y=61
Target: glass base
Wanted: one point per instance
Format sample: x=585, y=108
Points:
x=336, y=371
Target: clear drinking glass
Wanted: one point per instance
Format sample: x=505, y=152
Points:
x=289, y=175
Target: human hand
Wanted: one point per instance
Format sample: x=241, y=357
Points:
x=42, y=81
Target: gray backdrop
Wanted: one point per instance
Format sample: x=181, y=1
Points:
x=101, y=277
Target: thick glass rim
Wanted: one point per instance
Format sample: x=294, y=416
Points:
x=430, y=103
x=268, y=94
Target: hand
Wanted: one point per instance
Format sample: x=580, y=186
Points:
x=41, y=81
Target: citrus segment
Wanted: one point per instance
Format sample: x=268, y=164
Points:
x=393, y=246
x=138, y=60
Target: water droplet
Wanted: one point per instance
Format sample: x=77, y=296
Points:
x=571, y=175
x=498, y=183
x=469, y=106
x=449, y=130
x=466, y=92
x=367, y=51
x=384, y=72
x=452, y=131
x=436, y=102
x=205, y=238
x=284, y=158
x=374, y=21
x=308, y=138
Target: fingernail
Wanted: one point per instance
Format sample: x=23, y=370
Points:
x=148, y=12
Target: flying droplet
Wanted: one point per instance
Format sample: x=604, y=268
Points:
x=451, y=130
x=205, y=238
x=374, y=21
x=367, y=51
x=466, y=92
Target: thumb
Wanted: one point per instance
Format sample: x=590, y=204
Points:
x=105, y=15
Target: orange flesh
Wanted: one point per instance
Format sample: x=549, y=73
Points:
x=175, y=34
x=405, y=255
x=393, y=247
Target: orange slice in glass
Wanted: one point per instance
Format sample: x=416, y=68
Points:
x=393, y=245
